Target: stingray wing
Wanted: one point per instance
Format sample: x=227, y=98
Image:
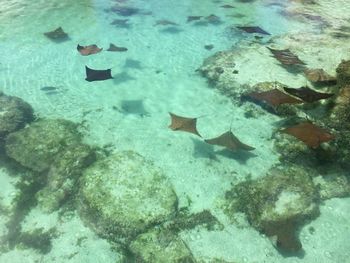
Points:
x=229, y=141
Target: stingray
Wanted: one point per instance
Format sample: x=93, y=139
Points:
x=193, y=18
x=286, y=57
x=57, y=35
x=179, y=123
x=88, y=50
x=307, y=94
x=213, y=19
x=253, y=29
x=229, y=141
x=96, y=75
x=165, y=22
x=114, y=48
x=272, y=97
x=209, y=47
x=319, y=76
x=125, y=11
x=309, y=133
x=227, y=6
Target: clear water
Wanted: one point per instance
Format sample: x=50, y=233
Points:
x=159, y=69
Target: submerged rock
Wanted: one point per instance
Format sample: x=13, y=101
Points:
x=343, y=73
x=277, y=204
x=63, y=175
x=37, y=146
x=124, y=194
x=160, y=246
x=14, y=114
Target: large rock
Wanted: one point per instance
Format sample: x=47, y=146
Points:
x=37, y=146
x=277, y=204
x=14, y=114
x=160, y=246
x=123, y=195
x=343, y=73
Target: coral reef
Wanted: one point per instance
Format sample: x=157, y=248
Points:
x=14, y=114
x=124, y=194
x=277, y=204
x=160, y=246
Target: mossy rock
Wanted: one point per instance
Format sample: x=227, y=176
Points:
x=159, y=246
x=125, y=194
x=343, y=73
x=283, y=199
x=37, y=145
x=14, y=114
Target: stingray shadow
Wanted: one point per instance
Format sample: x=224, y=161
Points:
x=122, y=77
x=239, y=156
x=135, y=107
x=133, y=64
x=171, y=30
x=202, y=149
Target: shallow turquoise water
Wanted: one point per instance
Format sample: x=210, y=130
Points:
x=159, y=69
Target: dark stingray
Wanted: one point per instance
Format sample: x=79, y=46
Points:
x=227, y=6
x=57, y=35
x=165, y=22
x=286, y=57
x=125, y=10
x=209, y=47
x=49, y=88
x=307, y=94
x=115, y=48
x=193, y=18
x=97, y=75
x=253, y=29
x=213, y=19
x=134, y=107
x=229, y=141
x=132, y=63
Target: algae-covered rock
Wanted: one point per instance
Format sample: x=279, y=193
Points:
x=37, y=145
x=343, y=73
x=277, y=204
x=14, y=114
x=63, y=174
x=124, y=194
x=160, y=246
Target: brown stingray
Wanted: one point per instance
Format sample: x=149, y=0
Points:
x=273, y=97
x=309, y=133
x=229, y=141
x=307, y=94
x=114, y=48
x=193, y=18
x=286, y=57
x=165, y=22
x=88, y=50
x=179, y=123
x=319, y=76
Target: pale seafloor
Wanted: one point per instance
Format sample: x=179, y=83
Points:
x=159, y=69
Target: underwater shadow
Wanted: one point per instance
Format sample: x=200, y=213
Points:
x=240, y=156
x=202, y=149
x=135, y=107
x=133, y=64
x=122, y=77
x=171, y=30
